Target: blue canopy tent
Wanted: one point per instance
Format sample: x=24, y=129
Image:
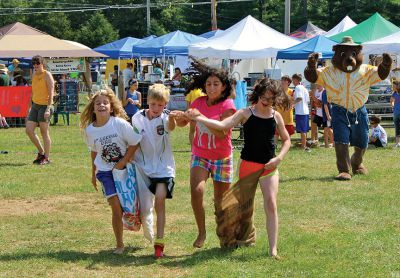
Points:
x=211, y=34
x=171, y=44
x=319, y=44
x=149, y=37
x=119, y=49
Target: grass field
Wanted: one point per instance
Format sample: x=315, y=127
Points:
x=53, y=224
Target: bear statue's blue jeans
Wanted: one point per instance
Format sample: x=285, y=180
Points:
x=350, y=127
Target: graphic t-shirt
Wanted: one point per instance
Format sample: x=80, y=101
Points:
x=205, y=143
x=110, y=141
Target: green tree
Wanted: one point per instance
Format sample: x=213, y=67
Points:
x=96, y=31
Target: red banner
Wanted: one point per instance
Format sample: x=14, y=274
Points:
x=14, y=101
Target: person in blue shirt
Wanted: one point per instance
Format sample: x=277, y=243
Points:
x=132, y=99
x=395, y=103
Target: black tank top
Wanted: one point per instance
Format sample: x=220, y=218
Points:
x=259, y=143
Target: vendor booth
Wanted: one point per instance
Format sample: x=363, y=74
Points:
x=372, y=28
x=18, y=40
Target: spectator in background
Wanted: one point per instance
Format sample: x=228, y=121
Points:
x=158, y=70
x=317, y=120
x=301, y=101
x=3, y=122
x=114, y=78
x=395, y=103
x=287, y=114
x=132, y=99
x=178, y=75
x=4, y=78
x=128, y=74
x=14, y=68
x=20, y=80
x=41, y=110
x=378, y=136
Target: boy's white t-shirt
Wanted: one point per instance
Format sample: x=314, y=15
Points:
x=379, y=133
x=318, y=95
x=110, y=141
x=154, y=154
x=301, y=108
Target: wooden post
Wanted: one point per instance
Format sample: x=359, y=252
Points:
x=214, y=15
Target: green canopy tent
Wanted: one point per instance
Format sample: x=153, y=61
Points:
x=373, y=28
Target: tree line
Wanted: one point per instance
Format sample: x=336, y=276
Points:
x=95, y=28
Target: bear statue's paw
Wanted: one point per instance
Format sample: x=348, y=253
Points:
x=360, y=170
x=344, y=176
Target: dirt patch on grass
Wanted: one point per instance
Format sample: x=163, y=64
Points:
x=22, y=207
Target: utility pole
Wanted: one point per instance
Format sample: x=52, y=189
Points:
x=214, y=15
x=287, y=17
x=148, y=16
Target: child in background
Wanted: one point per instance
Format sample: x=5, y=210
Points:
x=326, y=112
x=395, y=103
x=132, y=99
x=154, y=156
x=314, y=103
x=211, y=148
x=259, y=124
x=112, y=142
x=301, y=101
x=287, y=114
x=378, y=136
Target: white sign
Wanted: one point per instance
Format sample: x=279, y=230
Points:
x=177, y=102
x=66, y=65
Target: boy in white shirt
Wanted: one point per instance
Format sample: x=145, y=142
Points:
x=154, y=155
x=378, y=136
x=301, y=101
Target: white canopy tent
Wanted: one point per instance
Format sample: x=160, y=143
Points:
x=389, y=44
x=247, y=39
x=342, y=26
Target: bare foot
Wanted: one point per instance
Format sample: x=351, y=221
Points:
x=119, y=250
x=199, y=242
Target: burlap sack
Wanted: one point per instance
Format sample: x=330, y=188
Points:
x=234, y=214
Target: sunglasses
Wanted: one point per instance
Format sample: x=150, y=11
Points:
x=36, y=63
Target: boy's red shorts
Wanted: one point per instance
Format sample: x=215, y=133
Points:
x=290, y=129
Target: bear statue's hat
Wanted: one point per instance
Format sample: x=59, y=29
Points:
x=347, y=40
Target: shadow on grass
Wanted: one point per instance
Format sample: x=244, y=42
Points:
x=128, y=258
x=198, y=257
x=102, y=257
x=13, y=164
x=308, y=178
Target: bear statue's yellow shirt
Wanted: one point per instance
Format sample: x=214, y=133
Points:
x=349, y=90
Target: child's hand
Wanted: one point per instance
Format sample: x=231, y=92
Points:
x=94, y=182
x=272, y=164
x=120, y=165
x=192, y=113
x=176, y=114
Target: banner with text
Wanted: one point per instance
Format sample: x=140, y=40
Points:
x=66, y=65
x=14, y=101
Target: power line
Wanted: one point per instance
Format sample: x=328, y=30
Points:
x=87, y=8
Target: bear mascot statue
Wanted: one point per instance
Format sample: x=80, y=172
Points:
x=347, y=82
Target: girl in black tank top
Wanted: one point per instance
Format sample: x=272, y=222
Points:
x=259, y=124
x=259, y=143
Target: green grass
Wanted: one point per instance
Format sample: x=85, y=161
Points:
x=52, y=223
